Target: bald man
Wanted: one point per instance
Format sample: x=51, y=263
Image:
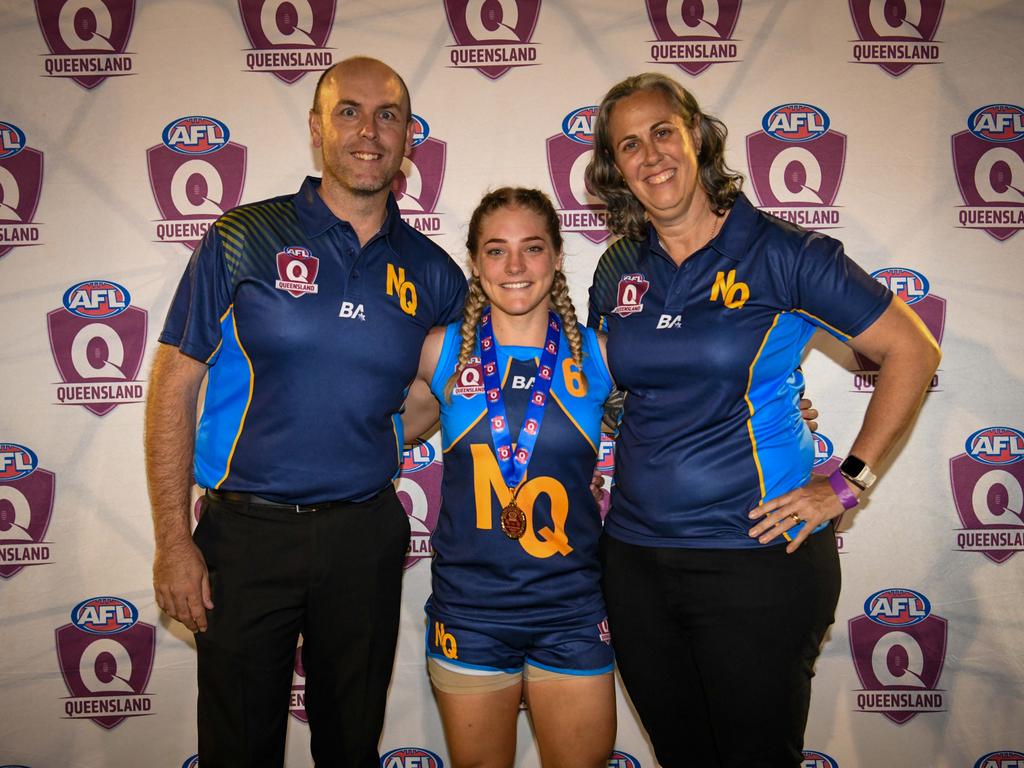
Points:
x=305, y=313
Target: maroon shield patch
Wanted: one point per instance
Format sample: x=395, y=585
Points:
x=895, y=660
x=897, y=23
x=21, y=186
x=100, y=354
x=492, y=24
x=567, y=162
x=989, y=499
x=192, y=191
x=630, y=296
x=708, y=26
x=296, y=271
x=289, y=27
x=989, y=176
x=106, y=672
x=419, y=491
x=417, y=186
x=26, y=505
x=297, y=704
x=806, y=174
x=97, y=30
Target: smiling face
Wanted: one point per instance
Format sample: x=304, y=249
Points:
x=516, y=260
x=656, y=153
x=361, y=126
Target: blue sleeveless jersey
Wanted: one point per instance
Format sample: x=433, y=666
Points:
x=552, y=572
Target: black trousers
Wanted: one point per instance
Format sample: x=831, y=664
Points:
x=333, y=575
x=716, y=647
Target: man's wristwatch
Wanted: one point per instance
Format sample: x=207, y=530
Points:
x=857, y=472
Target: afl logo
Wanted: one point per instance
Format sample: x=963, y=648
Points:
x=16, y=461
x=418, y=456
x=191, y=762
x=815, y=759
x=104, y=615
x=1001, y=123
x=410, y=757
x=823, y=449
x=578, y=125
x=996, y=445
x=12, y=140
x=795, y=122
x=606, y=455
x=195, y=135
x=95, y=299
x=620, y=759
x=896, y=607
x=908, y=284
x=420, y=130
x=1005, y=758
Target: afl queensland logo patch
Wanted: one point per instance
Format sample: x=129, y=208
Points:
x=988, y=160
x=21, y=185
x=492, y=36
x=815, y=759
x=26, y=504
x=419, y=490
x=896, y=35
x=288, y=36
x=417, y=185
x=620, y=759
x=630, y=296
x=88, y=39
x=987, y=481
x=694, y=35
x=296, y=271
x=569, y=152
x=899, y=648
x=106, y=657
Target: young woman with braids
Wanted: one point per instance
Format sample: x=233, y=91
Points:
x=516, y=610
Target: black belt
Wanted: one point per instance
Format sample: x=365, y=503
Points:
x=251, y=499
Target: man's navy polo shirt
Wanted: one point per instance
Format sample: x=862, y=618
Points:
x=708, y=354
x=311, y=342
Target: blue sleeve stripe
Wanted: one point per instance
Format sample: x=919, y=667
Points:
x=750, y=408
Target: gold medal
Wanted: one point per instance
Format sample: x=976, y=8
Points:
x=513, y=520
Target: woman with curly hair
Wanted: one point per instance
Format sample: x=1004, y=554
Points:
x=720, y=570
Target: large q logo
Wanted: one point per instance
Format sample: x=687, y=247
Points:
x=896, y=34
x=86, y=36
x=417, y=186
x=987, y=481
x=196, y=174
x=706, y=28
x=492, y=36
x=26, y=503
x=898, y=648
x=106, y=657
x=568, y=153
x=419, y=490
x=288, y=36
x=21, y=185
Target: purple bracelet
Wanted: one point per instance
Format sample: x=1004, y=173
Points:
x=842, y=490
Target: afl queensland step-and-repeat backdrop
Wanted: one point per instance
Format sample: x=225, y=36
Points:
x=127, y=126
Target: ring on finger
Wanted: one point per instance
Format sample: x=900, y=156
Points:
x=796, y=518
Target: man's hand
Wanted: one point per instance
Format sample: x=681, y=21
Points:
x=182, y=584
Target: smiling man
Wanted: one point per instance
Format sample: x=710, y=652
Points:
x=306, y=314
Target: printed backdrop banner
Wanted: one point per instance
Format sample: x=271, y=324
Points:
x=128, y=126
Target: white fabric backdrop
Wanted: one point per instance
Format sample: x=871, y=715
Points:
x=78, y=204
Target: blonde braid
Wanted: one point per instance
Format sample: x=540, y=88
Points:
x=562, y=303
x=476, y=300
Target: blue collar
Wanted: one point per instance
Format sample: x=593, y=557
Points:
x=731, y=241
x=316, y=218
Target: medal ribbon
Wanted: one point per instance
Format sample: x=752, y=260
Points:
x=513, y=467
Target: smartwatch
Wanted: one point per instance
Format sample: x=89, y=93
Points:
x=857, y=472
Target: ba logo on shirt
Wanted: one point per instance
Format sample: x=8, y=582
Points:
x=569, y=152
x=288, y=36
x=987, y=480
x=98, y=338
x=417, y=185
x=796, y=165
x=410, y=757
x=693, y=36
x=492, y=36
x=898, y=648
x=419, y=490
x=630, y=297
x=914, y=289
x=896, y=36
x=106, y=657
x=87, y=39
x=26, y=504
x=196, y=174
x=21, y=185
x=988, y=159
x=296, y=271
